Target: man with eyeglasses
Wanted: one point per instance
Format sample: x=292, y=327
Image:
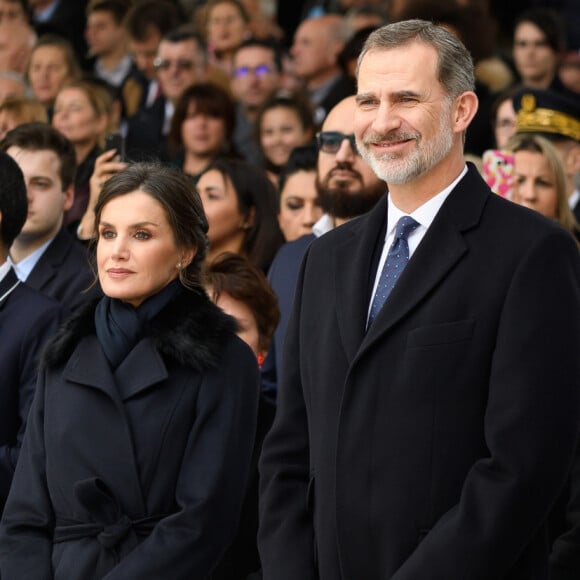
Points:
x=146, y=23
x=180, y=63
x=256, y=77
x=347, y=187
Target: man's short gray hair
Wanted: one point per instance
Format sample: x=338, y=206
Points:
x=455, y=65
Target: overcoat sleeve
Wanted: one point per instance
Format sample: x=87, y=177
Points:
x=28, y=519
x=531, y=424
x=30, y=349
x=565, y=555
x=213, y=478
x=286, y=534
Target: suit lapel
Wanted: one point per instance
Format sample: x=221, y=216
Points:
x=47, y=267
x=424, y=271
x=6, y=285
x=441, y=248
x=351, y=266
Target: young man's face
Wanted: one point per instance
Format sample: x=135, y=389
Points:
x=144, y=52
x=46, y=199
x=11, y=13
x=104, y=35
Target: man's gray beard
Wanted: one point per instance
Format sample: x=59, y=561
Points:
x=343, y=203
x=395, y=169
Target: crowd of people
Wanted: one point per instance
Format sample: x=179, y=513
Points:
x=289, y=290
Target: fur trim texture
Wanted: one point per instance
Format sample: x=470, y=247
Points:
x=192, y=330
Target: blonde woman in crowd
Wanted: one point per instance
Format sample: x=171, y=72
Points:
x=540, y=180
x=83, y=113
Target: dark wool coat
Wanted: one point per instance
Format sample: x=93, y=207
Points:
x=433, y=446
x=137, y=474
x=27, y=320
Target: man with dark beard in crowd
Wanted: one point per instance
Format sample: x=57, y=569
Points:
x=347, y=187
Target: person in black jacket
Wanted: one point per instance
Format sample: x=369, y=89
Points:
x=139, y=442
x=27, y=320
x=44, y=254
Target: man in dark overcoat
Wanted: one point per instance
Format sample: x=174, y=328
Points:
x=27, y=319
x=429, y=406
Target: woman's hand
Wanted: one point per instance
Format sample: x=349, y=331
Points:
x=106, y=165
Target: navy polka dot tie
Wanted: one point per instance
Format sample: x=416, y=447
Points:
x=395, y=263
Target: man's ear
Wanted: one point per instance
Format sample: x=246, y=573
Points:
x=465, y=107
x=572, y=161
x=69, y=197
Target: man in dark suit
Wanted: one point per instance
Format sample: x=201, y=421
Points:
x=27, y=319
x=146, y=24
x=424, y=433
x=180, y=63
x=66, y=18
x=44, y=254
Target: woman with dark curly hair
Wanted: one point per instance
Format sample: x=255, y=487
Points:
x=139, y=442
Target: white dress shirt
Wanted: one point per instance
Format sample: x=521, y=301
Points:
x=424, y=215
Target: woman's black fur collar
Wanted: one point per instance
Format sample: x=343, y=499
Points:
x=191, y=330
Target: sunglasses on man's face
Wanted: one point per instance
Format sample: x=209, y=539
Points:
x=331, y=141
x=180, y=64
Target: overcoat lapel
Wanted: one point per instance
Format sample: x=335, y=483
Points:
x=442, y=247
x=351, y=267
x=142, y=368
x=424, y=271
x=88, y=366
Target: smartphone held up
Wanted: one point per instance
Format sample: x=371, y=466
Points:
x=116, y=141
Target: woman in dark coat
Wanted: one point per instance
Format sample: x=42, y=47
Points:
x=139, y=442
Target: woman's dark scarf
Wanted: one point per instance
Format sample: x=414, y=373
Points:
x=120, y=326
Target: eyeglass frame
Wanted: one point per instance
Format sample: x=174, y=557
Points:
x=341, y=137
x=261, y=70
x=181, y=64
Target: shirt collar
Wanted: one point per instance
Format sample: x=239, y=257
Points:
x=46, y=14
x=424, y=214
x=323, y=225
x=26, y=265
x=4, y=269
